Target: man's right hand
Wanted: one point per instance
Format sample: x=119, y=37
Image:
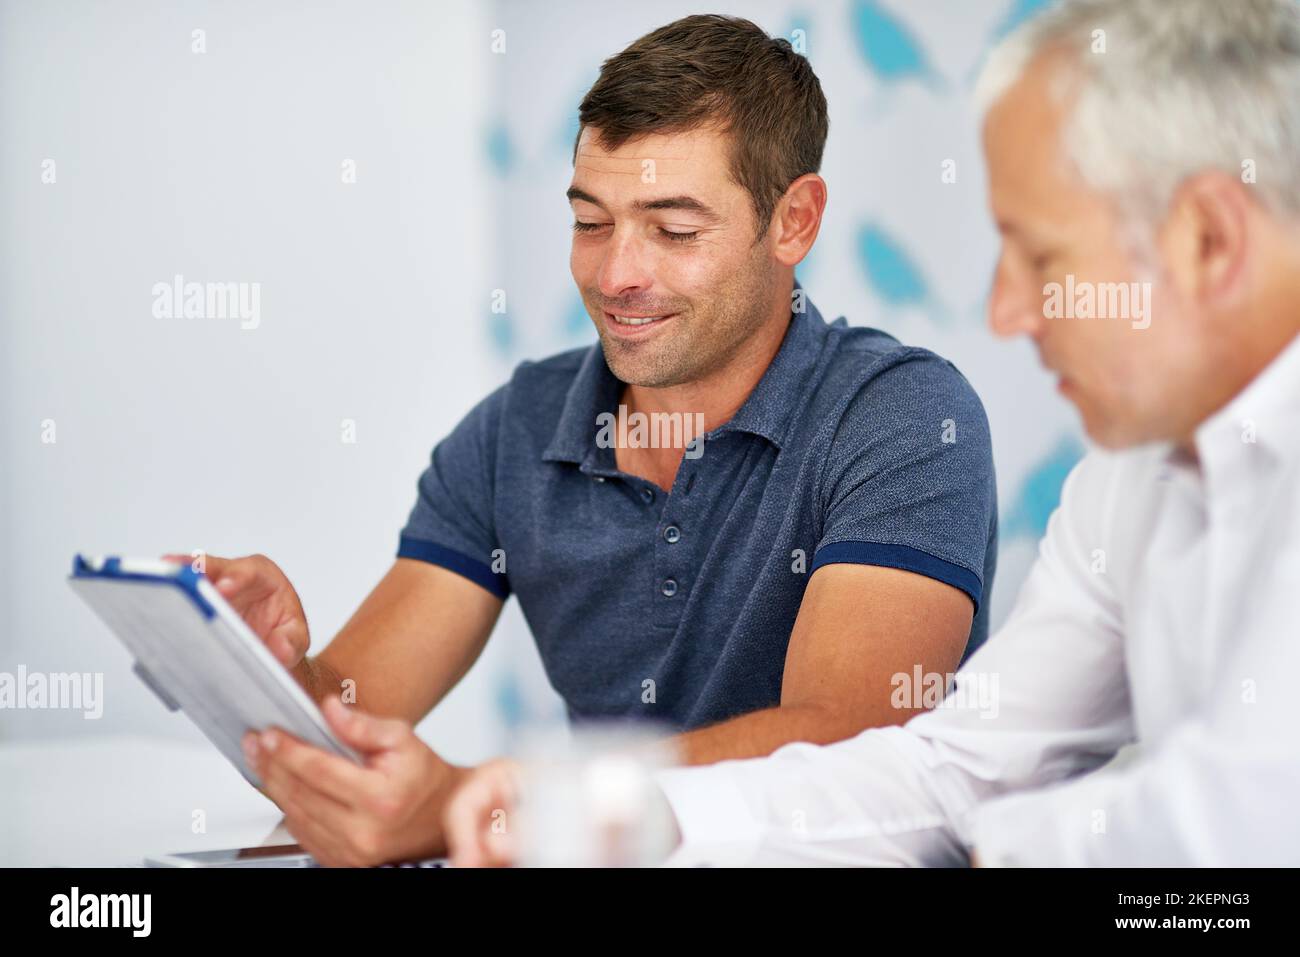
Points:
x=262, y=594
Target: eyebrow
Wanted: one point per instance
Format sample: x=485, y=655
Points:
x=687, y=203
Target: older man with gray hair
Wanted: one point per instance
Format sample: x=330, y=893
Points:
x=1152, y=147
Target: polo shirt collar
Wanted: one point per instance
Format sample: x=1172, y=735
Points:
x=766, y=412
x=594, y=390
x=770, y=407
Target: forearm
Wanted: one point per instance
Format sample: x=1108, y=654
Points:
x=869, y=800
x=759, y=733
x=358, y=670
x=407, y=645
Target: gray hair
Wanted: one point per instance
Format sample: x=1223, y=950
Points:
x=1178, y=87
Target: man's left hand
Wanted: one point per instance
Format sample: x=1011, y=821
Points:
x=346, y=815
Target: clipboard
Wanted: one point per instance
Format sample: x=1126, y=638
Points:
x=195, y=652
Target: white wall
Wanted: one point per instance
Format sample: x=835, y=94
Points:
x=176, y=434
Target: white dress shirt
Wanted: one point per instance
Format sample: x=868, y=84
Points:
x=1163, y=608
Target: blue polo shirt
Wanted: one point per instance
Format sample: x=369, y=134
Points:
x=676, y=606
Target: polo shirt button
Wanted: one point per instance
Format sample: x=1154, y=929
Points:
x=671, y=534
x=598, y=478
x=669, y=588
x=647, y=496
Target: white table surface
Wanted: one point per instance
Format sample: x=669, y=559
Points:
x=108, y=801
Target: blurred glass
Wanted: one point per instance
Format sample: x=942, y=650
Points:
x=588, y=799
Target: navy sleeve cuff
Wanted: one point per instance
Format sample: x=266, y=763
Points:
x=902, y=557
x=460, y=563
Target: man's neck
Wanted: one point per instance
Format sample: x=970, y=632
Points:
x=1249, y=360
x=719, y=394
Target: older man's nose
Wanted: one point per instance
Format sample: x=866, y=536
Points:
x=1013, y=312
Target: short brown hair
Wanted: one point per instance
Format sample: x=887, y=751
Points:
x=712, y=69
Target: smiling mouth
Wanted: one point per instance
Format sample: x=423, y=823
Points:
x=635, y=320
x=629, y=325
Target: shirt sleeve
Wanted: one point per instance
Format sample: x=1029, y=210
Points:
x=451, y=524
x=1218, y=791
x=1045, y=699
x=909, y=482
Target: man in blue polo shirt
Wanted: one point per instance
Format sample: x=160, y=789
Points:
x=673, y=597
x=730, y=516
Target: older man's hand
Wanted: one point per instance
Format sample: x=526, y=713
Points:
x=480, y=816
